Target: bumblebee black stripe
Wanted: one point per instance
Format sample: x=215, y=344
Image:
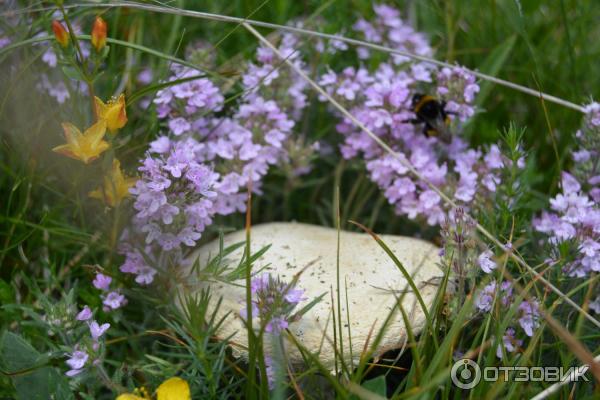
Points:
x=422, y=101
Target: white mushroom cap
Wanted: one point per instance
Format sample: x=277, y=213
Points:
x=374, y=283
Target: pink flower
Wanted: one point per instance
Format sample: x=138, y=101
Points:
x=160, y=145
x=569, y=183
x=77, y=360
x=146, y=275
x=102, y=281
x=179, y=126
x=485, y=261
x=85, y=314
x=97, y=330
x=509, y=342
x=595, y=305
x=114, y=300
x=529, y=319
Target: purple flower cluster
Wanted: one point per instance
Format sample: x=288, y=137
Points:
x=485, y=300
x=111, y=299
x=205, y=165
x=458, y=88
x=88, y=350
x=528, y=313
x=187, y=103
x=382, y=100
x=592, y=120
x=331, y=46
x=388, y=29
x=135, y=263
x=383, y=103
x=173, y=197
x=572, y=225
x=575, y=217
x=273, y=302
x=243, y=148
x=185, y=181
x=265, y=79
x=201, y=172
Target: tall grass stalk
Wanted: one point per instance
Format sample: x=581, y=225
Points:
x=244, y=21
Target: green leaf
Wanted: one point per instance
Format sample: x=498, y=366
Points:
x=376, y=385
x=16, y=354
x=7, y=293
x=31, y=377
x=492, y=66
x=105, y=51
x=72, y=73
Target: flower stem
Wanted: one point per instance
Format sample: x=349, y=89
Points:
x=88, y=80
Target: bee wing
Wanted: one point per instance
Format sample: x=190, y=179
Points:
x=442, y=128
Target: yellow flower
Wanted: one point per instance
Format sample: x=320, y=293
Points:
x=113, y=112
x=128, y=396
x=142, y=392
x=171, y=389
x=116, y=186
x=85, y=147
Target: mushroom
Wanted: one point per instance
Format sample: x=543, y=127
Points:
x=368, y=276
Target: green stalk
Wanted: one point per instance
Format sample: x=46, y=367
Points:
x=84, y=70
x=250, y=394
x=337, y=276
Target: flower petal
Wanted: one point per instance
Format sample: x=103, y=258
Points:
x=173, y=389
x=129, y=396
x=95, y=133
x=66, y=150
x=72, y=133
x=100, y=106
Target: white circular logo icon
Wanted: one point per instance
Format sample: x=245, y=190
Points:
x=465, y=373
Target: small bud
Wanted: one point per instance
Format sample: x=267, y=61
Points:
x=99, y=34
x=61, y=35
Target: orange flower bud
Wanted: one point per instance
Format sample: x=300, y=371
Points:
x=61, y=35
x=99, y=34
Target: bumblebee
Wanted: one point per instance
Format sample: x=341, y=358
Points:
x=432, y=114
